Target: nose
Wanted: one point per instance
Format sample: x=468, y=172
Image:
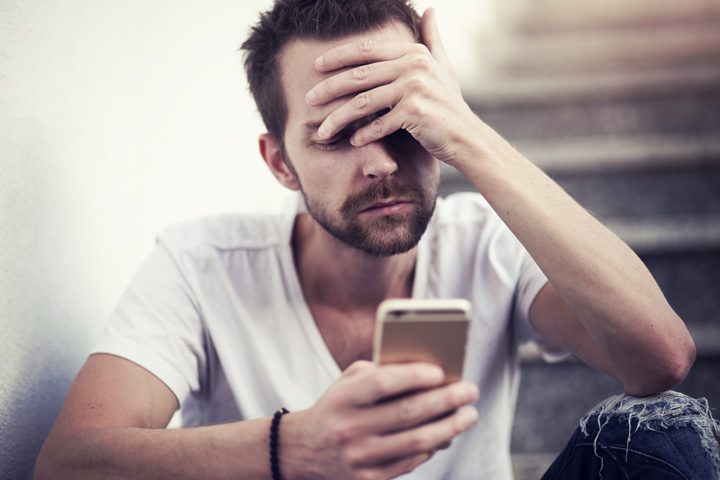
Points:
x=377, y=161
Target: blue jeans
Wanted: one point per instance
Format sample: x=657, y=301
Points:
x=662, y=437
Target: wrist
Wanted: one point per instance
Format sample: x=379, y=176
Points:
x=295, y=454
x=487, y=158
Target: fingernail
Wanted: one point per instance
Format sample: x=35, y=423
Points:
x=323, y=131
x=310, y=97
x=319, y=62
x=471, y=392
x=437, y=373
x=467, y=416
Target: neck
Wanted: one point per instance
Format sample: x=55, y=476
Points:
x=335, y=275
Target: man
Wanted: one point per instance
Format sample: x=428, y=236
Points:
x=233, y=318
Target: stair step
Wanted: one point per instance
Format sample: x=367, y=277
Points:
x=659, y=193
x=669, y=234
x=587, y=155
x=684, y=111
x=553, y=397
x=550, y=88
x=531, y=466
x=556, y=15
x=597, y=50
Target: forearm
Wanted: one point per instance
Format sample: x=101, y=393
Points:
x=236, y=450
x=599, y=277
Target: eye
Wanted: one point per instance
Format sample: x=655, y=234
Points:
x=339, y=141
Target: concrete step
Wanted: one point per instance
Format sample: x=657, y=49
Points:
x=555, y=109
x=603, y=154
x=523, y=16
x=549, y=88
x=664, y=194
x=598, y=50
x=689, y=280
x=552, y=399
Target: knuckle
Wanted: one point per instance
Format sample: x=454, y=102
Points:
x=338, y=56
x=415, y=109
x=342, y=432
x=362, y=100
x=421, y=61
x=417, y=83
x=380, y=386
x=328, y=85
x=420, y=442
x=407, y=411
x=366, y=46
x=361, y=73
x=377, y=127
x=353, y=457
x=420, y=49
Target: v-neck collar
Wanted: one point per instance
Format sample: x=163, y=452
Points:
x=304, y=315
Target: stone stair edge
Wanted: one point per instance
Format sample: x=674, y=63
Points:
x=598, y=50
x=511, y=91
x=520, y=15
x=598, y=154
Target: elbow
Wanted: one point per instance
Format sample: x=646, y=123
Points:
x=667, y=373
x=46, y=468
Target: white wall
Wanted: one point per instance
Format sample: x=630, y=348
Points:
x=116, y=118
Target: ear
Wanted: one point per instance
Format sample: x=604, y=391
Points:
x=273, y=156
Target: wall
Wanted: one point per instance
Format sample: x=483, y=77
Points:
x=117, y=118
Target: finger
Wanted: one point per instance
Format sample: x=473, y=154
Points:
x=380, y=127
x=430, y=35
x=360, y=53
x=361, y=106
x=419, y=408
x=360, y=78
x=395, y=468
x=357, y=367
x=424, y=439
x=370, y=385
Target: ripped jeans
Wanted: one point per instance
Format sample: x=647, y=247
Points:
x=662, y=437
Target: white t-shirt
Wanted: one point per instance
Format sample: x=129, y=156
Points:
x=217, y=313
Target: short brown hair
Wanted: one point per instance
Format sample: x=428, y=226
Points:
x=308, y=19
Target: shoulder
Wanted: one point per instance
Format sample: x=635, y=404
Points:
x=465, y=213
x=465, y=227
x=225, y=233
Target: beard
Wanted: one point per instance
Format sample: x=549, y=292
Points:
x=378, y=236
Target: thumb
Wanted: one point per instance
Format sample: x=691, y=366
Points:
x=430, y=36
x=357, y=366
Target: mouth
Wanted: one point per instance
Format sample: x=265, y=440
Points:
x=388, y=207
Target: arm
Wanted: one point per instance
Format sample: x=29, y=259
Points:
x=602, y=303
x=112, y=426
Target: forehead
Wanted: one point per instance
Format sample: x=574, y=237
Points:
x=298, y=73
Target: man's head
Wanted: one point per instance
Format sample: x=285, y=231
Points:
x=310, y=20
x=377, y=198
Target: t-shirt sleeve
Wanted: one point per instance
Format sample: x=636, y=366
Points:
x=530, y=281
x=157, y=324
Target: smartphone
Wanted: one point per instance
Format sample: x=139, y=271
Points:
x=426, y=330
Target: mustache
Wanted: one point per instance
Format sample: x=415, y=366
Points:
x=381, y=191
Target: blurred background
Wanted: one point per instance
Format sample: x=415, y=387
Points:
x=118, y=119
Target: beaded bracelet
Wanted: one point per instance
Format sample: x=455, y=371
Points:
x=274, y=435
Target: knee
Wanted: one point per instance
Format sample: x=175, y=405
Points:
x=618, y=418
x=665, y=410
